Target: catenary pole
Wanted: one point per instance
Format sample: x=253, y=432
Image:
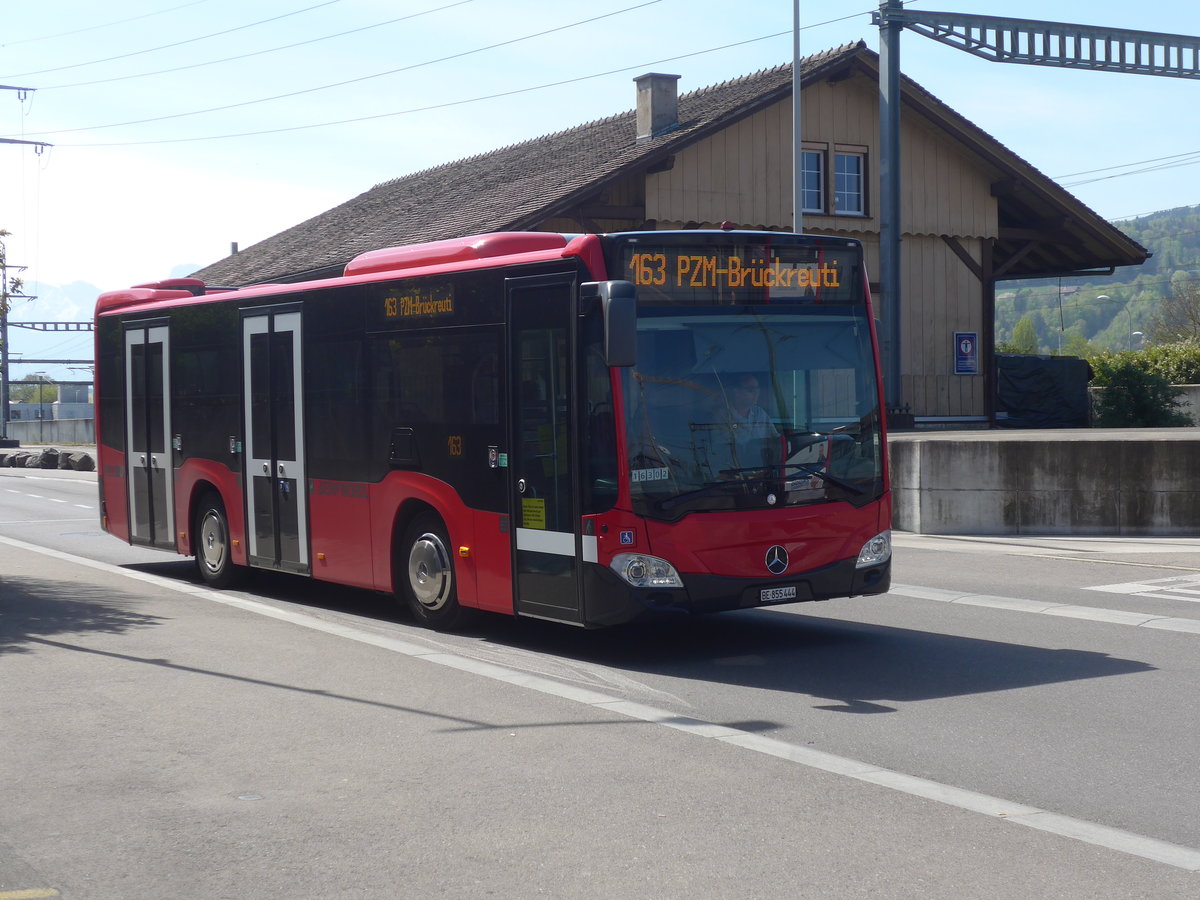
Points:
x=889, y=199
x=797, y=145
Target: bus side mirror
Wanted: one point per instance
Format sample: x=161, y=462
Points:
x=618, y=304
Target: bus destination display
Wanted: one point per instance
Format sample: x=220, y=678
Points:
x=419, y=300
x=688, y=270
x=722, y=270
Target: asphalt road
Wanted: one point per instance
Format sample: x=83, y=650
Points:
x=1017, y=718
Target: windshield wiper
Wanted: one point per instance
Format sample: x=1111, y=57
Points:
x=806, y=469
x=723, y=486
x=717, y=487
x=825, y=476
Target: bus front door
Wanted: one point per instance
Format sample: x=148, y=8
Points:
x=148, y=463
x=543, y=458
x=275, y=483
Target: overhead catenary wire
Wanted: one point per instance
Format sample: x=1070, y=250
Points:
x=1167, y=161
x=426, y=108
x=203, y=37
x=1139, y=162
x=1142, y=215
x=112, y=24
x=1141, y=171
x=357, y=80
x=253, y=53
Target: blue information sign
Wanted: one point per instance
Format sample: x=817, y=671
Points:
x=966, y=353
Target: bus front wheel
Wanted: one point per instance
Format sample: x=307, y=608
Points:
x=427, y=574
x=213, y=546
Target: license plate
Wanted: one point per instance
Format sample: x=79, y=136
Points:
x=771, y=595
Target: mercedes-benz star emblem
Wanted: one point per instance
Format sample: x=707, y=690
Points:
x=777, y=560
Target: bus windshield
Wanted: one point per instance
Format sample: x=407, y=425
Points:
x=748, y=394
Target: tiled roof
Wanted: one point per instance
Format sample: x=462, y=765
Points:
x=508, y=189
x=518, y=187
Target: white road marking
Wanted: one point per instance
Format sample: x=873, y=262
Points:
x=1019, y=545
x=45, y=521
x=1176, y=855
x=1045, y=607
x=91, y=480
x=1177, y=587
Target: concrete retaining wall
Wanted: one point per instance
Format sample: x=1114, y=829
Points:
x=54, y=431
x=1083, y=482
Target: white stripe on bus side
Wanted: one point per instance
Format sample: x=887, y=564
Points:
x=560, y=543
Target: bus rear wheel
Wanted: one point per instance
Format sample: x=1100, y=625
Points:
x=426, y=575
x=213, y=547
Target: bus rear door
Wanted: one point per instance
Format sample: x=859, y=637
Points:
x=275, y=483
x=148, y=462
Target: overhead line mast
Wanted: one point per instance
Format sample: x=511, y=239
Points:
x=1059, y=44
x=996, y=39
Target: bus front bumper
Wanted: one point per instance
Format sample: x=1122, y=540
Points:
x=608, y=600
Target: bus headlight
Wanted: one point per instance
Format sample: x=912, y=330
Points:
x=875, y=551
x=641, y=570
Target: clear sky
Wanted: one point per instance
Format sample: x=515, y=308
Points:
x=181, y=126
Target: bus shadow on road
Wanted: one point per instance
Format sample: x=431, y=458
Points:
x=861, y=668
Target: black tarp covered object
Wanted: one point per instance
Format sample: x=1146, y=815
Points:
x=1042, y=391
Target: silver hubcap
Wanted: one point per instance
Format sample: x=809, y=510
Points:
x=212, y=542
x=429, y=572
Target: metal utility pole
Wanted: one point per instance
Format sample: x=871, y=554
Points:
x=21, y=94
x=6, y=296
x=797, y=144
x=889, y=200
x=997, y=39
x=4, y=283
x=41, y=413
x=3, y=361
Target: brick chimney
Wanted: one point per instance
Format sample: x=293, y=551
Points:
x=657, y=104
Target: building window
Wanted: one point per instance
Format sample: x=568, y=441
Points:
x=812, y=181
x=848, y=184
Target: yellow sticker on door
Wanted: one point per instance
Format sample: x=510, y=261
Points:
x=533, y=513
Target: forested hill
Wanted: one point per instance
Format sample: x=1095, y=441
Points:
x=1173, y=236
x=1116, y=312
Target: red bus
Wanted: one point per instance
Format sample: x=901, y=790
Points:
x=582, y=428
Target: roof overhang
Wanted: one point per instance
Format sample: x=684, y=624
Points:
x=1044, y=230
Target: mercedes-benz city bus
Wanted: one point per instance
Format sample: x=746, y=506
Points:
x=582, y=428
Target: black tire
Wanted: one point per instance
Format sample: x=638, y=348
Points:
x=425, y=574
x=210, y=538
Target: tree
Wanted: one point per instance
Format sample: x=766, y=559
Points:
x=1178, y=316
x=1024, y=336
x=1132, y=396
x=1077, y=345
x=33, y=389
x=9, y=285
x=1177, y=363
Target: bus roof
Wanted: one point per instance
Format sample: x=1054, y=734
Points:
x=465, y=253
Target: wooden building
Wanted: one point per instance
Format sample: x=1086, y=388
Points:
x=974, y=213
